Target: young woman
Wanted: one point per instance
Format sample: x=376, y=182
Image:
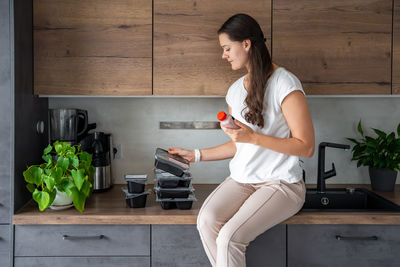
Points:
x=265, y=185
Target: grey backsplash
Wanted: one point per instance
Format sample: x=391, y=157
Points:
x=134, y=124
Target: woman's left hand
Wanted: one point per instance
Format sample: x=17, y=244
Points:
x=243, y=135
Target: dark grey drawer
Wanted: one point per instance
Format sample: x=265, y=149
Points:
x=82, y=240
x=5, y=259
x=318, y=245
x=4, y=202
x=270, y=245
x=177, y=246
x=82, y=261
x=4, y=239
x=180, y=246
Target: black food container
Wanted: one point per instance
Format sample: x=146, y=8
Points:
x=170, y=163
x=182, y=205
x=168, y=180
x=178, y=192
x=136, y=200
x=179, y=203
x=136, y=182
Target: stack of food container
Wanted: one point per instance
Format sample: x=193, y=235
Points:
x=135, y=195
x=172, y=181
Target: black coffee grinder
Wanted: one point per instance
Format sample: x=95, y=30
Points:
x=99, y=144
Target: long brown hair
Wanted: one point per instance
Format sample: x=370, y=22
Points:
x=242, y=27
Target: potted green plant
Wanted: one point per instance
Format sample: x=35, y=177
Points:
x=380, y=154
x=67, y=172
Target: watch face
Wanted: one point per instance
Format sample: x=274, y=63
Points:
x=178, y=160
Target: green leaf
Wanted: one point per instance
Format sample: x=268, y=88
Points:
x=33, y=175
x=64, y=148
x=397, y=148
x=75, y=161
x=372, y=144
x=42, y=198
x=58, y=147
x=390, y=138
x=86, y=188
x=49, y=183
x=78, y=198
x=68, y=186
x=353, y=140
x=56, y=173
x=87, y=158
x=63, y=163
x=31, y=187
x=380, y=133
x=47, y=158
x=359, y=128
x=43, y=166
x=398, y=130
x=78, y=176
x=62, y=186
x=91, y=174
x=47, y=149
x=52, y=196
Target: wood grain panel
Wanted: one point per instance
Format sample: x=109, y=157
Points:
x=343, y=47
x=93, y=47
x=92, y=76
x=396, y=49
x=187, y=55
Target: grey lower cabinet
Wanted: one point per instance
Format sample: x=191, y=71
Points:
x=343, y=245
x=5, y=245
x=4, y=201
x=82, y=261
x=180, y=246
x=85, y=245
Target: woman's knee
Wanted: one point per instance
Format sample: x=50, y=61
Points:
x=206, y=219
x=231, y=236
x=224, y=236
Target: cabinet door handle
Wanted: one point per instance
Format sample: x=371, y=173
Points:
x=339, y=237
x=70, y=237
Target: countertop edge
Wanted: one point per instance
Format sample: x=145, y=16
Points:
x=300, y=218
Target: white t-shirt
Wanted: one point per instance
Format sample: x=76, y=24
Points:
x=256, y=164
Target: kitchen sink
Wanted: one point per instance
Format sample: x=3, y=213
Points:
x=347, y=199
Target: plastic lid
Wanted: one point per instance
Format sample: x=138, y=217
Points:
x=133, y=195
x=137, y=178
x=179, y=189
x=190, y=198
x=171, y=159
x=163, y=174
x=221, y=116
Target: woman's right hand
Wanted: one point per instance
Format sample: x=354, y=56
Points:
x=186, y=154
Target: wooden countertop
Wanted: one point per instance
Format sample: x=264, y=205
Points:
x=110, y=208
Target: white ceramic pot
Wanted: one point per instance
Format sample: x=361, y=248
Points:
x=61, y=199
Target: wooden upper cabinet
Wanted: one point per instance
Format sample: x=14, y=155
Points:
x=187, y=55
x=93, y=47
x=335, y=47
x=396, y=49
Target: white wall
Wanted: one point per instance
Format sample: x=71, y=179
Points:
x=134, y=124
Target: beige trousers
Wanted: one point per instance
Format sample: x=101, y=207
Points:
x=234, y=214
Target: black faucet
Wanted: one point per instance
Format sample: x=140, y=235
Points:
x=322, y=175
